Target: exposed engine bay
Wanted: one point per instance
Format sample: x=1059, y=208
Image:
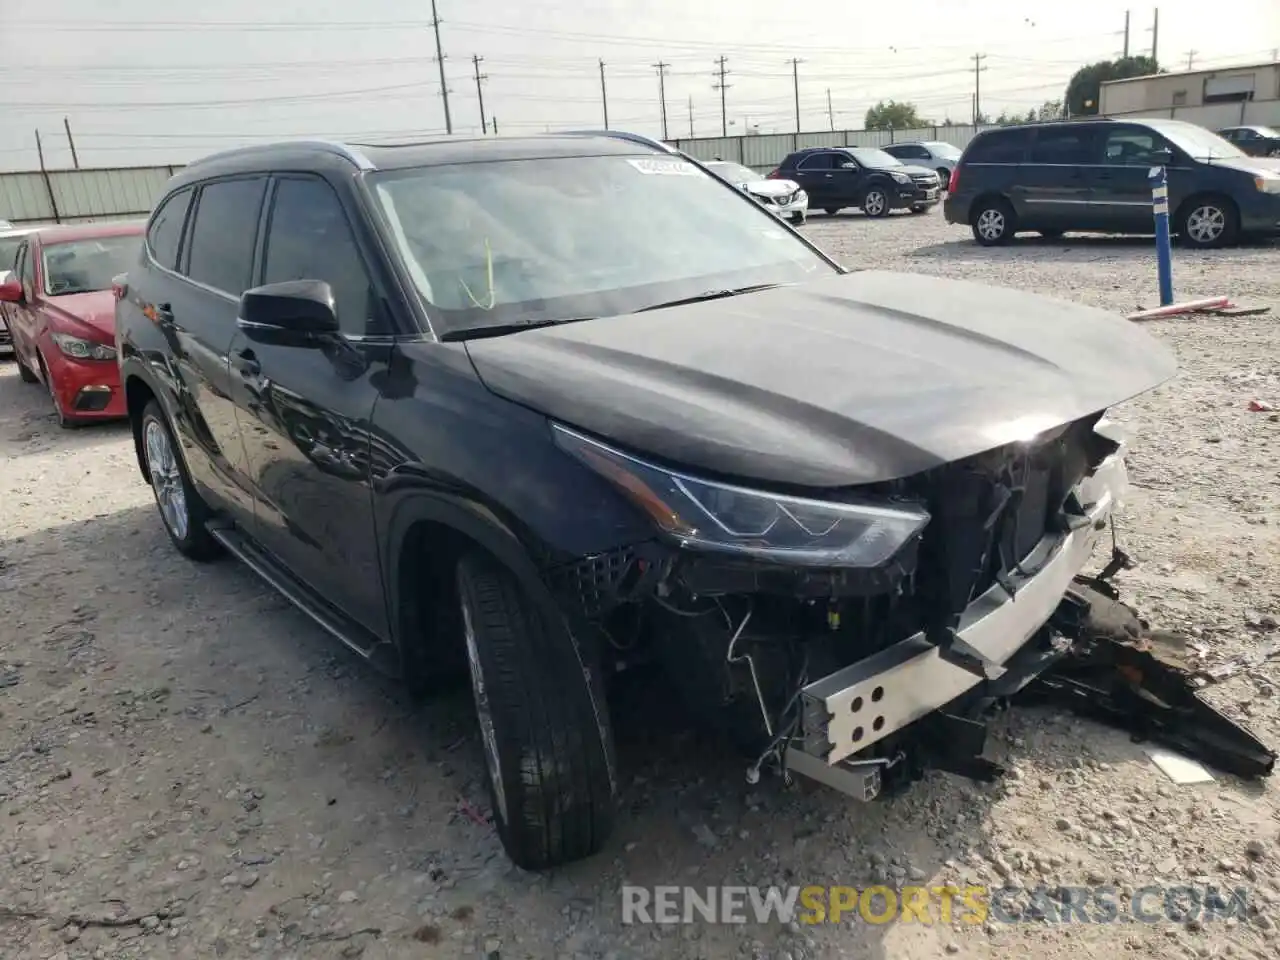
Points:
x=863, y=678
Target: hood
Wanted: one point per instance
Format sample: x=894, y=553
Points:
x=852, y=379
x=915, y=170
x=772, y=188
x=1250, y=165
x=95, y=310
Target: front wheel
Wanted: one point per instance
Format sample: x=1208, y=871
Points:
x=1210, y=222
x=798, y=219
x=544, y=725
x=992, y=222
x=876, y=203
x=920, y=208
x=182, y=509
x=23, y=370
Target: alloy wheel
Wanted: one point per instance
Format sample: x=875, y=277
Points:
x=488, y=736
x=166, y=478
x=991, y=224
x=1206, y=223
x=874, y=204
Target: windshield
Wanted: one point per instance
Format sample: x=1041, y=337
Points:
x=945, y=150
x=1197, y=142
x=1266, y=132
x=537, y=241
x=871, y=157
x=82, y=266
x=734, y=172
x=9, y=252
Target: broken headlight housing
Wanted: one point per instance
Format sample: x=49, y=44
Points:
x=709, y=515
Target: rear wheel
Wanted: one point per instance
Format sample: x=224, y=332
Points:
x=875, y=203
x=992, y=222
x=184, y=512
x=544, y=725
x=919, y=208
x=1208, y=222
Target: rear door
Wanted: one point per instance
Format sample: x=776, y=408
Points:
x=1122, y=186
x=18, y=315
x=1054, y=185
x=815, y=173
x=200, y=253
x=306, y=406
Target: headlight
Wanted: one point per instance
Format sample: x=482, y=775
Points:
x=901, y=177
x=1267, y=184
x=82, y=349
x=706, y=515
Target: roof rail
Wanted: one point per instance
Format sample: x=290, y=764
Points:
x=328, y=146
x=621, y=135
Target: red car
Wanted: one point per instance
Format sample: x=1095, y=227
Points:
x=60, y=308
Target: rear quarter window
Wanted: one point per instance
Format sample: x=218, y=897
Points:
x=165, y=232
x=1003, y=147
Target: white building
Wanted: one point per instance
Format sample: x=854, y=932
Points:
x=1226, y=97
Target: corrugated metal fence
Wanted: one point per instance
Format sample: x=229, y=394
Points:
x=79, y=196
x=74, y=196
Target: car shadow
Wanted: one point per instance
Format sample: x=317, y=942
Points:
x=386, y=793
x=28, y=424
x=1082, y=247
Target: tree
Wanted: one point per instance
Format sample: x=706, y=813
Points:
x=1083, y=91
x=891, y=115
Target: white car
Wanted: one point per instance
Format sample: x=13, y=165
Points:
x=934, y=154
x=781, y=197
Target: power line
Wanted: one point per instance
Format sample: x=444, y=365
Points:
x=722, y=87
x=662, y=93
x=476, y=59
x=444, y=86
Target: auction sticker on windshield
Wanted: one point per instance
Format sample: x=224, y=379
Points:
x=662, y=167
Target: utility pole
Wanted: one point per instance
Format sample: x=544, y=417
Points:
x=1155, y=35
x=691, y=115
x=40, y=151
x=831, y=117
x=662, y=92
x=494, y=121
x=1191, y=58
x=444, y=87
x=604, y=96
x=1126, y=34
x=75, y=160
x=795, y=85
x=722, y=87
x=977, y=85
x=480, y=78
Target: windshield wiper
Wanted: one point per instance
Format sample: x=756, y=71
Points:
x=502, y=329
x=709, y=295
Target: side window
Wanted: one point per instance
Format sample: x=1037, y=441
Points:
x=914, y=153
x=309, y=238
x=165, y=232
x=1061, y=147
x=819, y=161
x=1244, y=135
x=224, y=234
x=996, y=148
x=1130, y=147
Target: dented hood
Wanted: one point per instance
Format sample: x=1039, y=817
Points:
x=853, y=379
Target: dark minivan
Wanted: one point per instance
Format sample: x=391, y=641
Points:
x=1093, y=176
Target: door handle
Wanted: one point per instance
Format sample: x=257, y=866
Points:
x=830, y=175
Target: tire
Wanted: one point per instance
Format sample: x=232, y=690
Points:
x=798, y=219
x=920, y=209
x=1205, y=223
x=184, y=514
x=875, y=203
x=63, y=421
x=832, y=211
x=944, y=177
x=993, y=222
x=23, y=370
x=544, y=724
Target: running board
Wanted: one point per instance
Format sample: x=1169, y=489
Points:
x=380, y=653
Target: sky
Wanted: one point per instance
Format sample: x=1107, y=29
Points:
x=144, y=82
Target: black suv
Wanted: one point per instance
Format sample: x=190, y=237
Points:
x=1092, y=176
x=536, y=410
x=862, y=177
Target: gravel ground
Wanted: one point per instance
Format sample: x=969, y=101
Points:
x=189, y=768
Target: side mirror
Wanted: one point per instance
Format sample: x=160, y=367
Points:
x=300, y=307
x=10, y=289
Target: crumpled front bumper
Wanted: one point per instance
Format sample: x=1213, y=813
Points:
x=849, y=710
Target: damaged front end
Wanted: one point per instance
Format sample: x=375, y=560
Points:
x=860, y=641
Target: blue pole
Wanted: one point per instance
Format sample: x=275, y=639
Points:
x=1159, y=178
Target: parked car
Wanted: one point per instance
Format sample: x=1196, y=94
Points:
x=1255, y=141
x=1093, y=176
x=941, y=156
x=783, y=197
x=544, y=408
x=861, y=177
x=58, y=303
x=10, y=241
